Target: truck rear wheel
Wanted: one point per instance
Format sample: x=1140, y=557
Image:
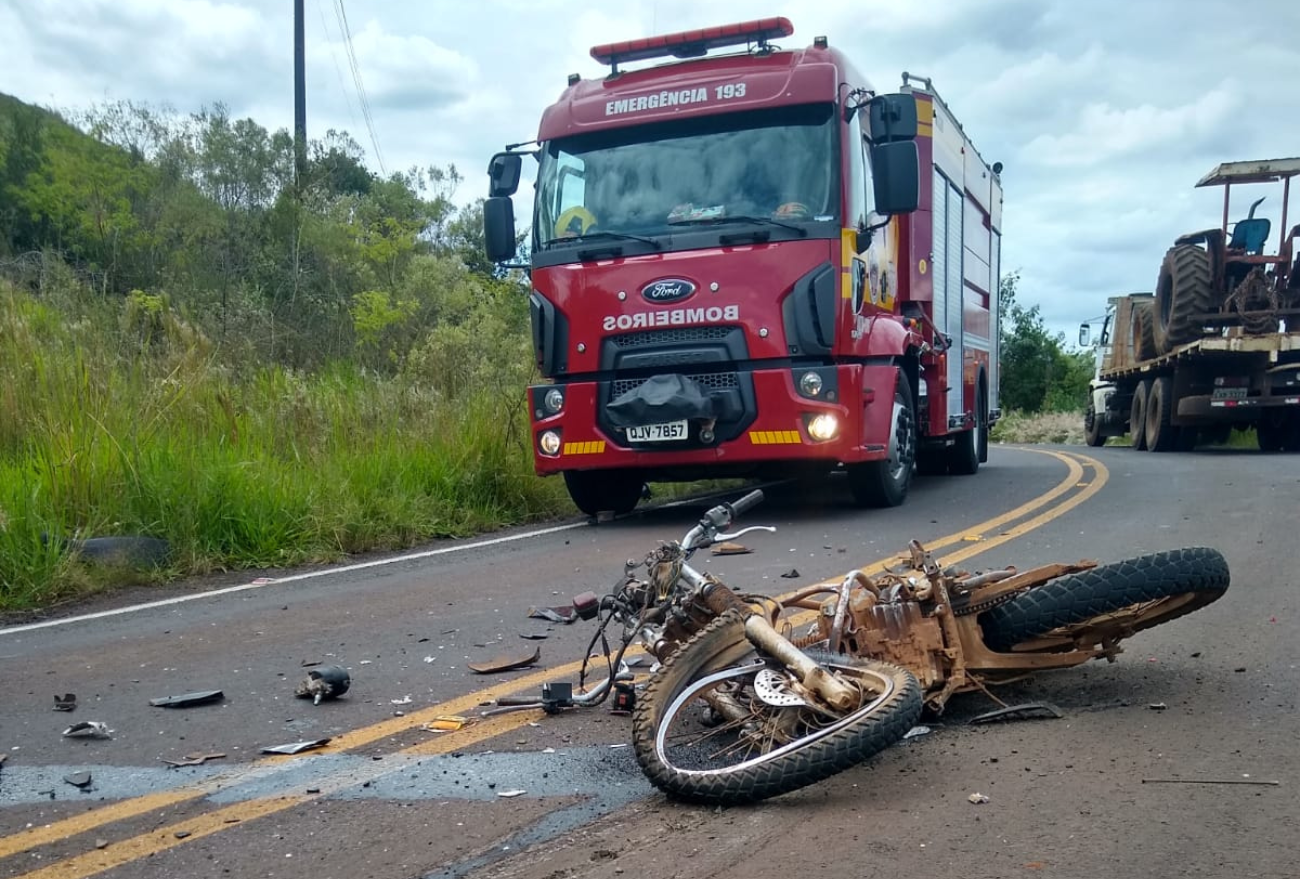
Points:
x=1162, y=436
x=971, y=447
x=1137, y=416
x=599, y=491
x=1278, y=432
x=885, y=483
x=1184, y=290
x=1144, y=330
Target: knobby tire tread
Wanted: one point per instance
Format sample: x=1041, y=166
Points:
x=1076, y=598
x=818, y=760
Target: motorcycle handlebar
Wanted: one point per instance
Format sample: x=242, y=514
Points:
x=746, y=503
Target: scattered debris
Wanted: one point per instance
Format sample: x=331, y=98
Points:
x=563, y=614
x=296, y=747
x=326, y=682
x=534, y=636
x=182, y=834
x=978, y=799
x=197, y=758
x=619, y=745
x=792, y=574
x=89, y=729
x=129, y=549
x=973, y=538
x=430, y=659
x=447, y=723
x=67, y=702
x=308, y=663
x=1157, y=706
x=507, y=794
x=506, y=662
x=186, y=700
x=78, y=779
x=1026, y=711
x=405, y=700
x=1209, y=781
x=731, y=549
x=101, y=843
x=916, y=732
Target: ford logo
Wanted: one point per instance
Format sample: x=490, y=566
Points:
x=667, y=290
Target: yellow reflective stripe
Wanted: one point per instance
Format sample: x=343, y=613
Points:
x=588, y=447
x=774, y=437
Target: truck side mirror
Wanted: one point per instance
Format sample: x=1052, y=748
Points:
x=891, y=118
x=499, y=228
x=895, y=175
x=503, y=174
x=1085, y=334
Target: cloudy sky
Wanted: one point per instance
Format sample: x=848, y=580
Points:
x=1103, y=112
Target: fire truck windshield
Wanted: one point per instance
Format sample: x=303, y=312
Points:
x=692, y=174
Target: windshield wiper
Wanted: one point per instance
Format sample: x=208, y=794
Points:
x=609, y=236
x=740, y=218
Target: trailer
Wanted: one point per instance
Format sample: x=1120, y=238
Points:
x=749, y=262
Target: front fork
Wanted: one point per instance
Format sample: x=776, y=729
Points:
x=830, y=690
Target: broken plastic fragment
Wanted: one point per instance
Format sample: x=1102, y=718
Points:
x=511, y=793
x=65, y=702
x=564, y=614
x=296, y=747
x=506, y=662
x=978, y=799
x=1157, y=706
x=731, y=549
x=185, y=700
x=91, y=729
x=405, y=700
x=791, y=574
x=534, y=636
x=197, y=758
x=447, y=723
x=1026, y=711
x=78, y=779
x=916, y=732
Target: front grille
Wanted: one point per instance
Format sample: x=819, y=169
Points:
x=673, y=336
x=713, y=381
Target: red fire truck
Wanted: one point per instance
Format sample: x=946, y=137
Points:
x=751, y=263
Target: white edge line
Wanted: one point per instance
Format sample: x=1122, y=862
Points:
x=275, y=581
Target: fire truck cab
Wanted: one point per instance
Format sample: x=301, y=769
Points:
x=751, y=263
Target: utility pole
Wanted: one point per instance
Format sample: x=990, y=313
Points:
x=299, y=97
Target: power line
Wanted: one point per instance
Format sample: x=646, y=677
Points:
x=342, y=15
x=334, y=56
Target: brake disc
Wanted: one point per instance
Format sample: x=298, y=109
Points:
x=774, y=689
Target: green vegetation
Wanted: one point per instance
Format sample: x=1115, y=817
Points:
x=1038, y=373
x=196, y=348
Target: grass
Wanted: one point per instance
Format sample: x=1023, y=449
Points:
x=114, y=422
x=1066, y=428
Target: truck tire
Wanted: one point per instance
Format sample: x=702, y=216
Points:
x=885, y=483
x=1278, y=432
x=1092, y=427
x=1137, y=416
x=971, y=447
x=1185, y=289
x=1162, y=436
x=1144, y=331
x=601, y=491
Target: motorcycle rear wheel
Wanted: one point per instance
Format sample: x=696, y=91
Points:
x=772, y=749
x=1108, y=602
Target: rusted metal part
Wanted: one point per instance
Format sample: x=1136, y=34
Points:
x=829, y=689
x=1002, y=589
x=978, y=580
x=1256, y=303
x=854, y=577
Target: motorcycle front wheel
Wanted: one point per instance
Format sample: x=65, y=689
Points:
x=719, y=724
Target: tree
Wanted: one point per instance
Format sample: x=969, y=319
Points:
x=1038, y=373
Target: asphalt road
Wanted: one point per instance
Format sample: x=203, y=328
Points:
x=1115, y=787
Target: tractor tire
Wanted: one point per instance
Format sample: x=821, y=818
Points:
x=1185, y=289
x=1137, y=416
x=1144, y=331
x=1162, y=436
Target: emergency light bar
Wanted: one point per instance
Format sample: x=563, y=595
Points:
x=693, y=44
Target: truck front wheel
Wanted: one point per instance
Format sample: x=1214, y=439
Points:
x=1092, y=427
x=599, y=491
x=885, y=483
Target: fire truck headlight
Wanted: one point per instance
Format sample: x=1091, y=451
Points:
x=810, y=383
x=553, y=401
x=549, y=442
x=823, y=427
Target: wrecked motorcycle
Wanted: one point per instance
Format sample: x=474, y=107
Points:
x=755, y=696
